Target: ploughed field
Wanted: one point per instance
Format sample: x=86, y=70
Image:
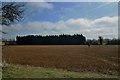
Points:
x=79, y=58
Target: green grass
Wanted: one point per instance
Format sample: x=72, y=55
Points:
x=20, y=71
x=0, y=73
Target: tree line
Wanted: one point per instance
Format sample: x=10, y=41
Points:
x=113, y=41
x=77, y=39
x=54, y=39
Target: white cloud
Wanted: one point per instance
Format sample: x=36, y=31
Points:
x=33, y=8
x=79, y=22
x=104, y=26
x=106, y=20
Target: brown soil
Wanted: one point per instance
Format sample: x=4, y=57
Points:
x=78, y=58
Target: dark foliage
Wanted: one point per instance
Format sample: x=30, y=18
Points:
x=92, y=42
x=52, y=40
x=104, y=42
x=11, y=12
x=113, y=42
x=101, y=40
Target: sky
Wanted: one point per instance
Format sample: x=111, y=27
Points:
x=92, y=19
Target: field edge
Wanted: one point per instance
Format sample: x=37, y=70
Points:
x=27, y=71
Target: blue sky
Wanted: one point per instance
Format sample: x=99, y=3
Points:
x=91, y=19
x=66, y=10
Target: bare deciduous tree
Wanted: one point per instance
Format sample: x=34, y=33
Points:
x=11, y=12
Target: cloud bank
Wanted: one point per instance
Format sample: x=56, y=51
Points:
x=91, y=28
